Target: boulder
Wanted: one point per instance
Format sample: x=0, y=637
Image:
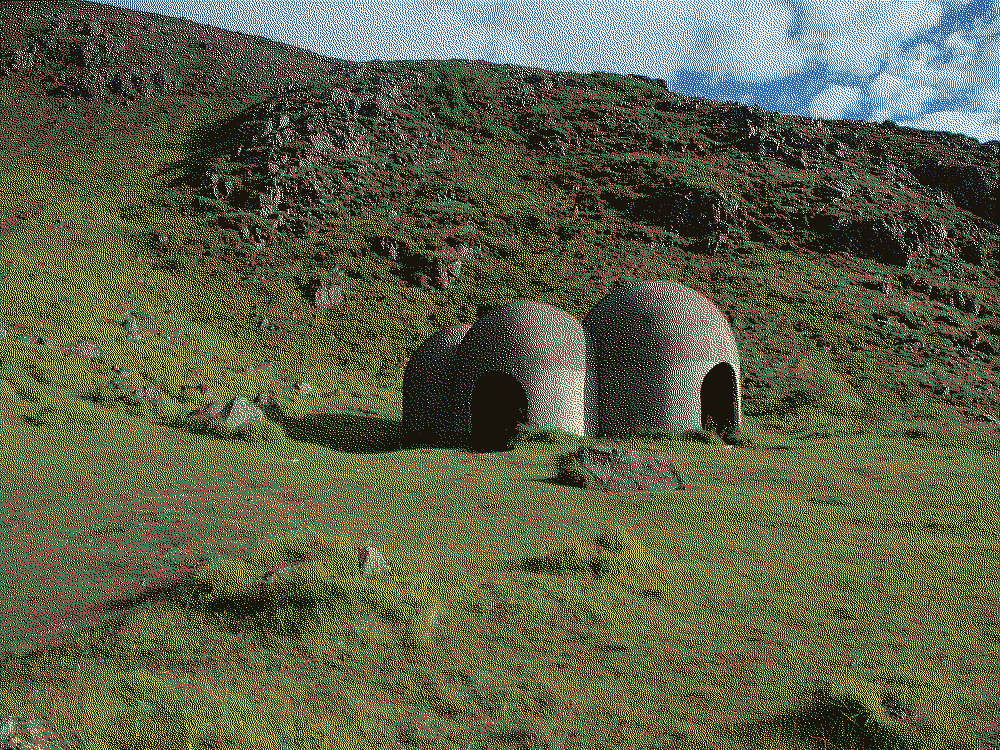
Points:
x=891, y=241
x=150, y=394
x=239, y=411
x=83, y=349
x=131, y=327
x=691, y=211
x=618, y=470
x=17, y=733
x=326, y=297
x=370, y=561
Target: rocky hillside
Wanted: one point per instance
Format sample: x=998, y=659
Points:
x=844, y=252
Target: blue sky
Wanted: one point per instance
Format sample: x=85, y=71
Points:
x=931, y=64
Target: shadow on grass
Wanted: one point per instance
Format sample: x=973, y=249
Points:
x=347, y=433
x=205, y=143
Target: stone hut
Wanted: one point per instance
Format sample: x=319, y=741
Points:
x=652, y=355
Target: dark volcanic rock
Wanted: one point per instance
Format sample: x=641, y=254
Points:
x=973, y=187
x=892, y=241
x=691, y=211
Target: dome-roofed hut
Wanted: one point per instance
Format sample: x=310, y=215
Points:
x=651, y=356
x=521, y=362
x=661, y=357
x=427, y=384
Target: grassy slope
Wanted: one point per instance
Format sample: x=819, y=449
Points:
x=721, y=614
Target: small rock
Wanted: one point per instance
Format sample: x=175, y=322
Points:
x=370, y=561
x=303, y=388
x=205, y=391
x=264, y=399
x=121, y=373
x=3, y=333
x=85, y=349
x=119, y=385
x=150, y=394
x=209, y=410
x=327, y=297
x=239, y=411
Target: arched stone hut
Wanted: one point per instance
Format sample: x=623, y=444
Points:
x=651, y=356
x=427, y=384
x=661, y=357
x=525, y=362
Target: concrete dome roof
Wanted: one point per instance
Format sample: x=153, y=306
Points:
x=427, y=381
x=684, y=323
x=532, y=334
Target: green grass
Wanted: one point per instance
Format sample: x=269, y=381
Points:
x=839, y=559
x=567, y=613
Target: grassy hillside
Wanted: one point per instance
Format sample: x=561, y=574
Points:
x=829, y=582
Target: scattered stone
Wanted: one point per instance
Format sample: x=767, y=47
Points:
x=85, y=349
x=239, y=411
x=327, y=297
x=45, y=341
x=620, y=470
x=150, y=394
x=370, y=561
x=25, y=734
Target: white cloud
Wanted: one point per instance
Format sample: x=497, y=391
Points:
x=899, y=96
x=982, y=126
x=855, y=37
x=833, y=102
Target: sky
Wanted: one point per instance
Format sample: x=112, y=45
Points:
x=932, y=64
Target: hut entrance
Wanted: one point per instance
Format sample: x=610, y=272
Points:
x=498, y=404
x=719, y=412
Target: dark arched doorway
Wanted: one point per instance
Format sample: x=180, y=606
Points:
x=719, y=410
x=498, y=404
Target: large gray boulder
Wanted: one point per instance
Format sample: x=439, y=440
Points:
x=239, y=411
x=618, y=470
